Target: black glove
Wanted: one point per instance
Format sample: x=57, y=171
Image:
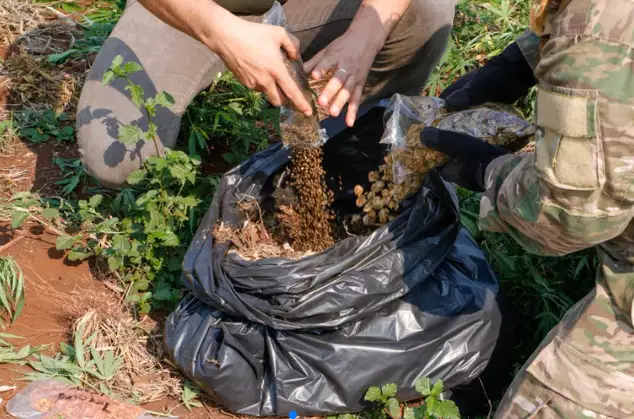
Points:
x=470, y=156
x=504, y=79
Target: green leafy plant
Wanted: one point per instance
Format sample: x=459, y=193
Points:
x=8, y=136
x=42, y=126
x=231, y=117
x=432, y=406
x=77, y=364
x=8, y=353
x=72, y=174
x=142, y=232
x=190, y=396
x=11, y=288
x=95, y=34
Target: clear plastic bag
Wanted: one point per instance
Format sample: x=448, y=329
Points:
x=297, y=130
x=407, y=116
x=49, y=399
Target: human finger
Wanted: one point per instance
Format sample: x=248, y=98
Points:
x=333, y=87
x=353, y=107
x=292, y=91
x=271, y=91
x=290, y=44
x=312, y=63
x=342, y=97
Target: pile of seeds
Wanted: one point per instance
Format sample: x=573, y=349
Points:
x=382, y=202
x=313, y=201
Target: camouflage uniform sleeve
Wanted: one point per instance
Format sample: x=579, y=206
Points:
x=577, y=189
x=528, y=43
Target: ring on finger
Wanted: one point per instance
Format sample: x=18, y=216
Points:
x=343, y=71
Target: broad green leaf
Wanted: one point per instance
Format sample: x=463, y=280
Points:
x=137, y=94
x=408, y=413
x=447, y=409
x=389, y=390
x=132, y=67
x=374, y=395
x=76, y=255
x=95, y=201
x=394, y=408
x=117, y=61
x=18, y=218
x=121, y=245
x=65, y=242
x=164, y=99
x=170, y=239
x=130, y=135
x=114, y=263
x=137, y=176
x=108, y=77
x=50, y=214
x=438, y=388
x=423, y=386
x=431, y=403
x=79, y=343
x=162, y=292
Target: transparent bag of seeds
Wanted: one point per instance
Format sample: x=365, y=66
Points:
x=50, y=399
x=297, y=129
x=407, y=116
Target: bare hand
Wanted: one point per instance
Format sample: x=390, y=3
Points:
x=252, y=52
x=350, y=57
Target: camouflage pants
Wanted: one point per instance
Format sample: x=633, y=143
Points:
x=584, y=368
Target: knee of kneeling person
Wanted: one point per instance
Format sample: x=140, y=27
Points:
x=104, y=158
x=427, y=26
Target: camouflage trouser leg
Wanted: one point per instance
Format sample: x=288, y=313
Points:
x=583, y=369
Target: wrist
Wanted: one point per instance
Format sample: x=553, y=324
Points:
x=364, y=25
x=212, y=24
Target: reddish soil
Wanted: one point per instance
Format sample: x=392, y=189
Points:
x=51, y=285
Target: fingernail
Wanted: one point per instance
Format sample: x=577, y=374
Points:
x=335, y=111
x=323, y=101
x=316, y=75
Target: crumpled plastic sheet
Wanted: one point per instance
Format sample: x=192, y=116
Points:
x=486, y=121
x=34, y=402
x=416, y=298
x=291, y=121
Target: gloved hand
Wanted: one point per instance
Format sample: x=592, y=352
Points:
x=504, y=79
x=470, y=156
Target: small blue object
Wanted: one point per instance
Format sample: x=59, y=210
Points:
x=292, y=414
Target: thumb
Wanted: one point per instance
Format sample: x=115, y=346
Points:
x=290, y=44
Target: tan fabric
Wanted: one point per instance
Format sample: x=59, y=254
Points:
x=183, y=66
x=575, y=192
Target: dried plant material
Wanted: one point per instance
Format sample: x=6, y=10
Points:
x=18, y=17
x=30, y=32
x=314, y=199
x=141, y=377
x=252, y=242
x=318, y=86
x=409, y=161
x=36, y=84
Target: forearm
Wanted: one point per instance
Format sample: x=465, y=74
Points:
x=201, y=19
x=378, y=18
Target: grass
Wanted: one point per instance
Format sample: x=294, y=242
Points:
x=11, y=288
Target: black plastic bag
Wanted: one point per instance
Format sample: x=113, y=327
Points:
x=416, y=298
